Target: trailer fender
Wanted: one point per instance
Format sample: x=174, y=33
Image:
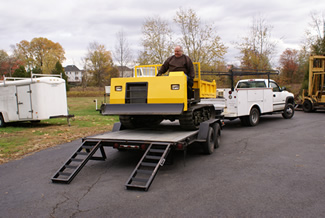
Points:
x=204, y=129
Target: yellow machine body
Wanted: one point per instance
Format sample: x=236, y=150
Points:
x=148, y=94
x=314, y=97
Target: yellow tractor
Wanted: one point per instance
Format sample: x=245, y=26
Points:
x=315, y=97
x=146, y=99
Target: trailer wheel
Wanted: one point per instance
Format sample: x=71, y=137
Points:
x=2, y=122
x=307, y=106
x=288, y=111
x=217, y=132
x=254, y=117
x=208, y=145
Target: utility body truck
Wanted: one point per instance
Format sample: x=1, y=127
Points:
x=254, y=97
x=142, y=103
x=251, y=98
x=32, y=99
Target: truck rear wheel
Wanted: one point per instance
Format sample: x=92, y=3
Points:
x=288, y=111
x=209, y=144
x=254, y=117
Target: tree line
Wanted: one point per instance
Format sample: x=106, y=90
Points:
x=200, y=41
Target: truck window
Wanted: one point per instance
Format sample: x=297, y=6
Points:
x=275, y=87
x=251, y=84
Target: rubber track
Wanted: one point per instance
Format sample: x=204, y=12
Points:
x=186, y=119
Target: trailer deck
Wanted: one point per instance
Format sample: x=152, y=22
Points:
x=156, y=142
x=162, y=133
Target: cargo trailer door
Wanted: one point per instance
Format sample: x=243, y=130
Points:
x=24, y=102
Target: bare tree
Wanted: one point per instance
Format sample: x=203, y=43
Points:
x=316, y=35
x=257, y=47
x=157, y=41
x=200, y=41
x=122, y=53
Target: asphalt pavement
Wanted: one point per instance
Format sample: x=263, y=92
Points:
x=276, y=169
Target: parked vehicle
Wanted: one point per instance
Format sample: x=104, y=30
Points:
x=314, y=97
x=147, y=99
x=251, y=98
x=255, y=97
x=37, y=98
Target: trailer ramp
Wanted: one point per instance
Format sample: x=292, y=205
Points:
x=78, y=160
x=147, y=168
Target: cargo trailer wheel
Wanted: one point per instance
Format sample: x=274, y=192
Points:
x=288, y=111
x=208, y=145
x=2, y=122
x=254, y=117
x=217, y=132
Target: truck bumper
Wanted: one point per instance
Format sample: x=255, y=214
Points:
x=142, y=109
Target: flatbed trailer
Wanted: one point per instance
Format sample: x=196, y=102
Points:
x=156, y=143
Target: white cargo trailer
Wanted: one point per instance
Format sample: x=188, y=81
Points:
x=37, y=98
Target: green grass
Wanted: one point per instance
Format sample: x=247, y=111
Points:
x=17, y=139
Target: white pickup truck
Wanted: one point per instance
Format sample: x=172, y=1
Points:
x=252, y=98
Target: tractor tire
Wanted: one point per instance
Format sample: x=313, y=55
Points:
x=307, y=106
x=288, y=112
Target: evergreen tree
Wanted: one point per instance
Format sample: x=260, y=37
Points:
x=21, y=72
x=60, y=70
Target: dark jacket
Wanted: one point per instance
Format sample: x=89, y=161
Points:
x=183, y=63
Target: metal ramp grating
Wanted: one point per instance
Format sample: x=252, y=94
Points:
x=147, y=168
x=78, y=160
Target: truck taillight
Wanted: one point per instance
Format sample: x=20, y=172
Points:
x=116, y=145
x=230, y=92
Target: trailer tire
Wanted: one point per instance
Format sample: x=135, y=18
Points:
x=2, y=122
x=208, y=145
x=217, y=132
x=254, y=117
x=288, y=111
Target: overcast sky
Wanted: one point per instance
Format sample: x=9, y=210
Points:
x=76, y=23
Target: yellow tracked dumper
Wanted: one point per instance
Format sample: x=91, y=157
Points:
x=314, y=97
x=146, y=99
